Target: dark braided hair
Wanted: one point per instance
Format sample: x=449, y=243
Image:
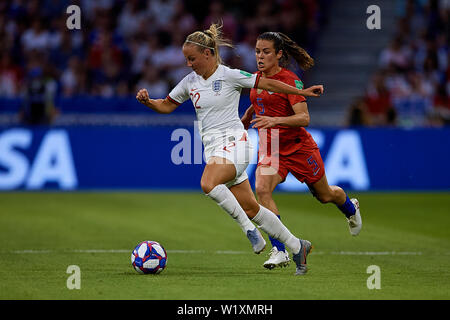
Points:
x=289, y=48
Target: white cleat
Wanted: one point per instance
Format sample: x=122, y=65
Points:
x=277, y=259
x=355, y=222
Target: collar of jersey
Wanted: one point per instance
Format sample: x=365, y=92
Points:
x=218, y=74
x=273, y=76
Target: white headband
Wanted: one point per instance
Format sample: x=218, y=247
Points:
x=199, y=44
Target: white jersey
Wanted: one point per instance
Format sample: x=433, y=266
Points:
x=216, y=100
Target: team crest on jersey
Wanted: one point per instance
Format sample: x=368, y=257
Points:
x=217, y=86
x=299, y=84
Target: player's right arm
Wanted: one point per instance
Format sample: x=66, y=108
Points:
x=247, y=117
x=158, y=105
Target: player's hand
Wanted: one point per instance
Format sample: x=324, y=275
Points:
x=142, y=96
x=246, y=119
x=313, y=91
x=264, y=122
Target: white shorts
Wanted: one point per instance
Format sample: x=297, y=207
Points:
x=234, y=146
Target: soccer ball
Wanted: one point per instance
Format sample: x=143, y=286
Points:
x=149, y=257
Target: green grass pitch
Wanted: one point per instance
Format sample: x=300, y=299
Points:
x=407, y=235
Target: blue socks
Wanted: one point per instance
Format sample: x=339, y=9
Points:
x=347, y=208
x=275, y=243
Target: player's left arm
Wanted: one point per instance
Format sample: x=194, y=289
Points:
x=299, y=119
x=247, y=117
x=281, y=87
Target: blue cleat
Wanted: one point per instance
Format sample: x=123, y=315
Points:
x=257, y=240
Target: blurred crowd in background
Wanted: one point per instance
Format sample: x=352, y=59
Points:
x=126, y=45
x=411, y=87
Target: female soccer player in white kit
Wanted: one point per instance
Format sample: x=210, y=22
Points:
x=215, y=91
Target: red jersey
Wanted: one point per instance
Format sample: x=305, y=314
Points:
x=271, y=104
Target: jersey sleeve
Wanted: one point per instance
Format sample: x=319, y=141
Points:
x=242, y=79
x=294, y=98
x=180, y=93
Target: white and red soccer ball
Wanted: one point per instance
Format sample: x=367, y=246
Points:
x=149, y=257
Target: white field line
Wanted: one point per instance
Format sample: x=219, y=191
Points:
x=342, y=253
x=373, y=253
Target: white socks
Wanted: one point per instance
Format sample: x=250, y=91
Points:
x=265, y=219
x=227, y=201
x=269, y=222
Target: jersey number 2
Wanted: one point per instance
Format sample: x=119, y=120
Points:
x=196, y=95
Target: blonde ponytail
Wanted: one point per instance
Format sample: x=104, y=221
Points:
x=210, y=39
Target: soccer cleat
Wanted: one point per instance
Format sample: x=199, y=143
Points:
x=277, y=259
x=355, y=222
x=300, y=257
x=257, y=240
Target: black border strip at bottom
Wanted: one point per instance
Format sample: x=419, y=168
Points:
x=222, y=309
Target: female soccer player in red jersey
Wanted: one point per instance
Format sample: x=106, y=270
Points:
x=285, y=146
x=214, y=90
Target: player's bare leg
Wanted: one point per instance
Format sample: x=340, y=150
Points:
x=246, y=198
x=326, y=193
x=217, y=172
x=265, y=184
x=334, y=194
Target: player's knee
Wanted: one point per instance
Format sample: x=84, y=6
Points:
x=262, y=191
x=207, y=185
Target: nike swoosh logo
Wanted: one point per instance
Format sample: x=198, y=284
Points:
x=258, y=91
